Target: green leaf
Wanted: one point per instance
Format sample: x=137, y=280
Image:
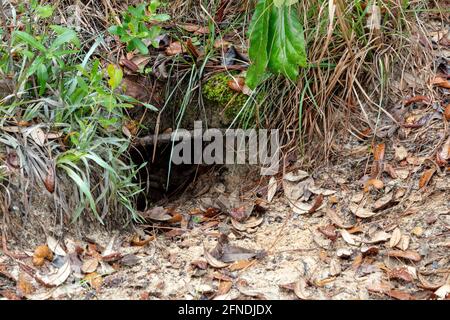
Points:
x=138, y=44
x=44, y=12
x=161, y=17
x=65, y=36
x=286, y=42
x=42, y=77
x=27, y=38
x=258, y=35
x=115, y=76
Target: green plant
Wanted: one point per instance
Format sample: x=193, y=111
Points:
x=135, y=31
x=277, y=42
x=65, y=94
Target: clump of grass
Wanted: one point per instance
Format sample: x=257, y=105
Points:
x=66, y=117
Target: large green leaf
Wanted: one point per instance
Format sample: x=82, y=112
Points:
x=286, y=42
x=259, y=37
x=277, y=43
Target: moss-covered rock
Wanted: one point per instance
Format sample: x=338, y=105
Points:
x=219, y=95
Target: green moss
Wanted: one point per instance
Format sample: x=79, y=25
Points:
x=216, y=91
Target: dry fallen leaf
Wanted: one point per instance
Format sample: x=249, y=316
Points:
x=337, y=220
x=196, y=29
x=426, y=177
x=90, y=265
x=59, y=276
x=251, y=223
x=94, y=279
x=404, y=243
x=157, y=214
x=348, y=237
x=239, y=265
x=224, y=287
x=395, y=238
x=447, y=112
x=409, y=255
x=400, y=273
x=441, y=82
x=237, y=84
x=213, y=262
x=328, y=231
x=400, y=153
x=271, y=189
x=361, y=212
x=378, y=152
x=443, y=291
x=175, y=48
x=300, y=289
x=317, y=204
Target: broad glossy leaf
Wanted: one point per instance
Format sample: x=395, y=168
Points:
x=258, y=35
x=286, y=42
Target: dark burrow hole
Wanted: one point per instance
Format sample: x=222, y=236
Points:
x=153, y=176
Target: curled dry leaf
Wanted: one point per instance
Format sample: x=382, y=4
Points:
x=157, y=214
x=380, y=236
x=59, y=276
x=237, y=84
x=328, y=231
x=175, y=48
x=404, y=242
x=249, y=224
x=196, y=29
x=213, y=262
x=337, y=220
x=441, y=82
x=224, y=288
x=400, y=273
x=369, y=251
x=90, y=265
x=395, y=238
x=399, y=295
x=300, y=289
x=415, y=99
x=400, y=153
x=443, y=155
x=300, y=207
x=239, y=265
x=378, y=152
x=272, y=188
x=321, y=191
x=348, y=237
x=426, y=177
x=94, y=279
x=137, y=242
x=376, y=183
x=443, y=291
x=49, y=181
x=54, y=246
x=427, y=284
x=317, y=204
x=361, y=212
x=409, y=255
